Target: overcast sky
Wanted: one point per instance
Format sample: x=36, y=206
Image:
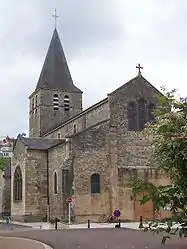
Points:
x=103, y=41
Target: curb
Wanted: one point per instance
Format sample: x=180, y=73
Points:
x=45, y=246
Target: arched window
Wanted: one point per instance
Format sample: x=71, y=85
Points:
x=17, y=185
x=142, y=114
x=32, y=104
x=95, y=183
x=74, y=128
x=132, y=116
x=36, y=101
x=65, y=181
x=151, y=108
x=66, y=103
x=55, y=182
x=55, y=102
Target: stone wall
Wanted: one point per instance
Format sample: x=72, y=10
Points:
x=132, y=146
x=19, y=159
x=98, y=141
x=36, y=186
x=33, y=166
x=129, y=149
x=97, y=114
x=91, y=116
x=127, y=204
x=57, y=161
x=90, y=150
x=34, y=115
x=44, y=110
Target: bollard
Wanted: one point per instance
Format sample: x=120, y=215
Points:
x=56, y=221
x=141, y=222
x=119, y=223
x=88, y=223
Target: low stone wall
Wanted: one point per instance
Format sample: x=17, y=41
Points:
x=20, y=243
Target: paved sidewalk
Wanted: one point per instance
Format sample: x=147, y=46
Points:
x=47, y=226
x=21, y=243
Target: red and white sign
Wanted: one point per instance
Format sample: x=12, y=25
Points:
x=69, y=200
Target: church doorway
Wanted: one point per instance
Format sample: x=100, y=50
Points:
x=146, y=210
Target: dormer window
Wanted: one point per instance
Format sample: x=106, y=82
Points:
x=55, y=102
x=66, y=102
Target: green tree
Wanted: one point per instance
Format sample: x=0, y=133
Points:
x=2, y=163
x=168, y=138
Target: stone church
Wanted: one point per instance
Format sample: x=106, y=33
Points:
x=88, y=154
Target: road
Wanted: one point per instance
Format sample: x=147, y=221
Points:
x=98, y=239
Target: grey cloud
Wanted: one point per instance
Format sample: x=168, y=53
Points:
x=103, y=40
x=81, y=23
x=25, y=36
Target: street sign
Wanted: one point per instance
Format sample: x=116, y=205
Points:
x=69, y=200
x=116, y=213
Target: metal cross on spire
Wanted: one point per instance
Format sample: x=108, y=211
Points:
x=139, y=69
x=55, y=16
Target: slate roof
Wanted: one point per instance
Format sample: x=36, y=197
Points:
x=55, y=73
x=40, y=143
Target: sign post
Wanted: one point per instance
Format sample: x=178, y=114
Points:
x=69, y=213
x=117, y=214
x=69, y=201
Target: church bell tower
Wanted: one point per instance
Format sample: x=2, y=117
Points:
x=55, y=99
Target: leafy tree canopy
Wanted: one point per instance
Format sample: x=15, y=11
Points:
x=168, y=136
x=2, y=163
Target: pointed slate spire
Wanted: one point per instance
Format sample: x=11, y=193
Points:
x=55, y=73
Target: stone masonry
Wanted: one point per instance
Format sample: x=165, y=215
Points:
x=68, y=145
